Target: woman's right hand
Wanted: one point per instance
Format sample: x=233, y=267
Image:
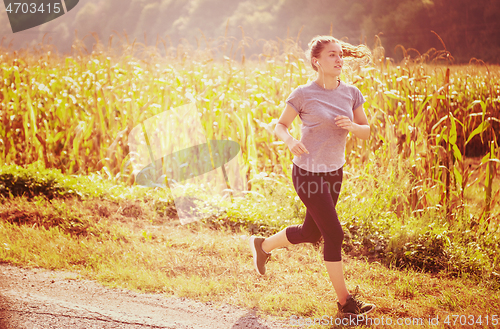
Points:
x=296, y=147
x=281, y=130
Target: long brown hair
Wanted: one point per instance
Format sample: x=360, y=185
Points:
x=319, y=42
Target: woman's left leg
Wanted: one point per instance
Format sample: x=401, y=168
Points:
x=348, y=304
x=335, y=269
x=336, y=274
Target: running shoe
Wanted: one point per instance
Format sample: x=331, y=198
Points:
x=354, y=307
x=260, y=257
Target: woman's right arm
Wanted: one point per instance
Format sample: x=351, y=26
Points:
x=281, y=130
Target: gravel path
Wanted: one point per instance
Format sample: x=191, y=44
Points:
x=48, y=299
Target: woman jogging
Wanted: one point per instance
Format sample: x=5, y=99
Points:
x=329, y=110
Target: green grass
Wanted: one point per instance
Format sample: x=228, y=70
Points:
x=138, y=245
x=215, y=265
x=372, y=230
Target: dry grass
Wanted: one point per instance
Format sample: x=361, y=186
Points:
x=215, y=265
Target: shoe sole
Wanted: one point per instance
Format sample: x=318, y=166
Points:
x=254, y=253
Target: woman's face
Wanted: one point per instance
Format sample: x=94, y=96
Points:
x=330, y=60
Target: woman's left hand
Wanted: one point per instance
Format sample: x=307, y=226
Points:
x=359, y=126
x=344, y=122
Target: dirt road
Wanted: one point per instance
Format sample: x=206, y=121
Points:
x=47, y=299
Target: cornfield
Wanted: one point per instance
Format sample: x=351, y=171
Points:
x=432, y=121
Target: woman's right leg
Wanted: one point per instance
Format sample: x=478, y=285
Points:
x=314, y=192
x=279, y=240
x=305, y=232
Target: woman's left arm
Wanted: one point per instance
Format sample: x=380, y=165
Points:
x=359, y=127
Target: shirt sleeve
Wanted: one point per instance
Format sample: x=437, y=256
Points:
x=359, y=99
x=295, y=100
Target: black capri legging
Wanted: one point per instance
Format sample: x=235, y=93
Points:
x=319, y=192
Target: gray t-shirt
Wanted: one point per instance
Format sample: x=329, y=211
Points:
x=318, y=108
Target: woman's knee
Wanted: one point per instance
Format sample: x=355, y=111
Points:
x=334, y=238
x=314, y=238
